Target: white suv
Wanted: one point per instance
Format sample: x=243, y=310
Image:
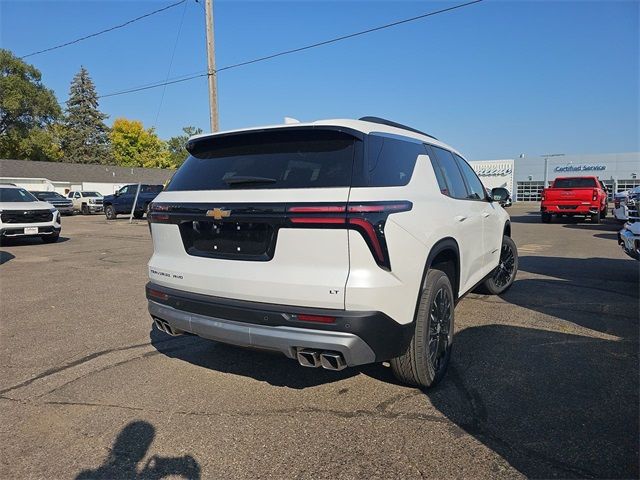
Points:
x=337, y=242
x=23, y=215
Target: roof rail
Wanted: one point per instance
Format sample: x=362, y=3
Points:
x=389, y=123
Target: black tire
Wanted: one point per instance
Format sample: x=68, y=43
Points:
x=603, y=213
x=84, y=209
x=50, y=238
x=502, y=277
x=595, y=217
x=138, y=215
x=110, y=212
x=546, y=218
x=425, y=364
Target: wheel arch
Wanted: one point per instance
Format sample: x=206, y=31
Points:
x=446, y=255
x=507, y=228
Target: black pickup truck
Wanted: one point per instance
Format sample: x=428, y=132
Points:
x=122, y=200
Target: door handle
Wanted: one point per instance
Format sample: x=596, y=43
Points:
x=485, y=214
x=461, y=218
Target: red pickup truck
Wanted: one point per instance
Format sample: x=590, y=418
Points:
x=586, y=196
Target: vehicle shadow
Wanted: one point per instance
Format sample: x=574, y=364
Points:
x=272, y=368
x=606, y=224
x=128, y=450
x=600, y=294
x=551, y=404
x=526, y=217
x=5, y=257
x=22, y=242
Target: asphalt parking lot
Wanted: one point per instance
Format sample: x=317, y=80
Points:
x=543, y=384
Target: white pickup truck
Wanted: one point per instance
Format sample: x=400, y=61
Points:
x=86, y=202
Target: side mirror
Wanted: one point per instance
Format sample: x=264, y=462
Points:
x=117, y=194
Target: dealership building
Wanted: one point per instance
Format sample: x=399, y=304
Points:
x=526, y=177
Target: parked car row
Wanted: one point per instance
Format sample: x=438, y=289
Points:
x=38, y=213
x=629, y=236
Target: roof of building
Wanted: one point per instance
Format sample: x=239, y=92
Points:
x=364, y=125
x=76, y=172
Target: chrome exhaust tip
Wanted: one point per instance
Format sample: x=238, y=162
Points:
x=332, y=361
x=164, y=326
x=308, y=358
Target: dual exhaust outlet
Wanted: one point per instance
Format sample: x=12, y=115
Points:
x=164, y=326
x=308, y=357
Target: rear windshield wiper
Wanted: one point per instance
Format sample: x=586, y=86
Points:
x=237, y=180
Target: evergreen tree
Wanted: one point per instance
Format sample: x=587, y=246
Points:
x=86, y=137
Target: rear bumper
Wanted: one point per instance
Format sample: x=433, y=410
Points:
x=570, y=209
x=361, y=337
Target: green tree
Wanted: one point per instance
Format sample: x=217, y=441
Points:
x=27, y=111
x=176, y=145
x=40, y=144
x=86, y=137
x=134, y=146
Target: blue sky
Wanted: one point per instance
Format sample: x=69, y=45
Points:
x=494, y=79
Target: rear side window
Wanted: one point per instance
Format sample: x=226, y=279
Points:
x=575, y=183
x=390, y=162
x=476, y=189
x=305, y=158
x=448, y=174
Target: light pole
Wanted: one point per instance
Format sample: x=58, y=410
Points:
x=546, y=165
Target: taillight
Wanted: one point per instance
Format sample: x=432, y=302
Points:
x=542, y=195
x=595, y=195
x=367, y=218
x=158, y=213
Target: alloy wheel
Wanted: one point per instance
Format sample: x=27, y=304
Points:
x=439, y=327
x=503, y=273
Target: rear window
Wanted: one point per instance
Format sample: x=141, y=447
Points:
x=575, y=183
x=272, y=159
x=391, y=162
x=151, y=189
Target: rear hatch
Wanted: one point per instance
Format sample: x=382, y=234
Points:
x=569, y=193
x=240, y=218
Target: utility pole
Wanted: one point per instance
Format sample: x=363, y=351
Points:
x=211, y=66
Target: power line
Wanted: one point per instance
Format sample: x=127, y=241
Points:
x=294, y=50
x=345, y=37
x=173, y=54
x=77, y=40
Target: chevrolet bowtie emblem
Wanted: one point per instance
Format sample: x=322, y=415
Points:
x=218, y=213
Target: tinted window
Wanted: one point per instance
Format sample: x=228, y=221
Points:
x=474, y=185
x=91, y=194
x=454, y=184
x=390, y=162
x=291, y=158
x=125, y=190
x=151, y=188
x=16, y=195
x=575, y=183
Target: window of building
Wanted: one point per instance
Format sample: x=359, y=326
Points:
x=529, y=191
x=624, y=185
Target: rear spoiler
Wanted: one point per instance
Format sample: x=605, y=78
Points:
x=199, y=144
